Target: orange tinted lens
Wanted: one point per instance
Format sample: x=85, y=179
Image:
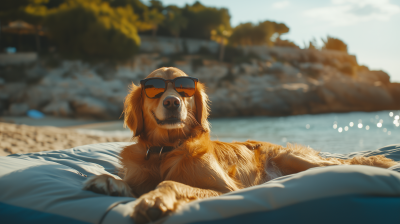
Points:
x=154, y=88
x=185, y=87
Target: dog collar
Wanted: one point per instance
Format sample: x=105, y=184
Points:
x=159, y=150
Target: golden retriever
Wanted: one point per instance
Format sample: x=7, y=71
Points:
x=174, y=161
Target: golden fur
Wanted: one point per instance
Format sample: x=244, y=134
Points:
x=198, y=167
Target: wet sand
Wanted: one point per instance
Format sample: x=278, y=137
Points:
x=19, y=138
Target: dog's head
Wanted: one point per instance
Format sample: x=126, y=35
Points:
x=169, y=114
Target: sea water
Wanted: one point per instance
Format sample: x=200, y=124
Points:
x=334, y=132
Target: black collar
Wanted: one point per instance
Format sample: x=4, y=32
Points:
x=158, y=150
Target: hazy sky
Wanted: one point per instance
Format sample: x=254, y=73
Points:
x=370, y=28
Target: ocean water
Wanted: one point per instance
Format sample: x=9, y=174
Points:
x=334, y=132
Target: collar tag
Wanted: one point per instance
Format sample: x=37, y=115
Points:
x=157, y=149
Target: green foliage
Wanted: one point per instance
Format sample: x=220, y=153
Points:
x=107, y=29
x=334, y=44
x=11, y=10
x=260, y=34
x=156, y=4
x=30, y=11
x=92, y=30
x=202, y=19
x=175, y=21
x=155, y=18
x=140, y=10
x=192, y=21
x=280, y=28
x=243, y=34
x=221, y=34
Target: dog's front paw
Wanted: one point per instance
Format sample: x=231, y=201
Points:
x=155, y=205
x=108, y=185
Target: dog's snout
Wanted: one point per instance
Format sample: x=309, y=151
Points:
x=172, y=103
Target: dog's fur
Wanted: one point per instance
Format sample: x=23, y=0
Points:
x=197, y=167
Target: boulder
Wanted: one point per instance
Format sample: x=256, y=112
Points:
x=58, y=108
x=38, y=96
x=211, y=75
x=375, y=77
x=18, y=109
x=94, y=108
x=13, y=91
x=394, y=89
x=36, y=73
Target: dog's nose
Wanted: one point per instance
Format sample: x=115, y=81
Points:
x=171, y=103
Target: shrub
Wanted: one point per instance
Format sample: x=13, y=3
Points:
x=334, y=44
x=259, y=34
x=92, y=30
x=203, y=19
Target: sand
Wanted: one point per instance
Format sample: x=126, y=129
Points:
x=48, y=121
x=16, y=138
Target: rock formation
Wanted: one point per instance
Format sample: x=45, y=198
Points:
x=276, y=81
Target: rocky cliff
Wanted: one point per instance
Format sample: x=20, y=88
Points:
x=267, y=81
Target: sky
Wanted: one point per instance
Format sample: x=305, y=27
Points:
x=370, y=28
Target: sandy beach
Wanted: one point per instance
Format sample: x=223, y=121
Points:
x=19, y=138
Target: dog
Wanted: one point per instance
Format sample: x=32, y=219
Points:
x=174, y=161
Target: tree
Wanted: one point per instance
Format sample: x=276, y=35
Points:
x=250, y=34
x=35, y=14
x=93, y=30
x=155, y=18
x=156, y=4
x=221, y=35
x=264, y=32
x=334, y=44
x=242, y=34
x=280, y=28
x=140, y=10
x=202, y=19
x=259, y=34
x=11, y=10
x=30, y=11
x=175, y=21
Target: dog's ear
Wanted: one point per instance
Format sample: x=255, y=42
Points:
x=202, y=108
x=133, y=110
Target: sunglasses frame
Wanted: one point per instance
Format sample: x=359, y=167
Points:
x=166, y=81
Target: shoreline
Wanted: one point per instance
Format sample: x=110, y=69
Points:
x=21, y=138
x=53, y=121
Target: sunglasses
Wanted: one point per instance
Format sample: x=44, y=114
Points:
x=155, y=87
